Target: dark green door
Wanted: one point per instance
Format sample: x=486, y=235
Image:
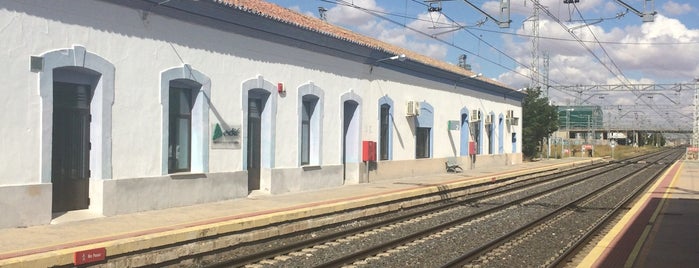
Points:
x=70, y=159
x=254, y=142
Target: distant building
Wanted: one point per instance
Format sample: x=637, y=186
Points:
x=580, y=121
x=126, y=106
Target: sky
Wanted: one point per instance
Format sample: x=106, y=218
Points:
x=592, y=42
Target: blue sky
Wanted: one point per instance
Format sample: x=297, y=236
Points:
x=614, y=47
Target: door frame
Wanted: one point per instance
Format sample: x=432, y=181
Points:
x=100, y=108
x=267, y=127
x=71, y=191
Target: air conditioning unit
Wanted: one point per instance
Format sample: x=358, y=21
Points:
x=489, y=120
x=475, y=115
x=510, y=114
x=412, y=108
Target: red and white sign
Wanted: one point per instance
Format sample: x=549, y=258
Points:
x=692, y=149
x=89, y=256
x=587, y=147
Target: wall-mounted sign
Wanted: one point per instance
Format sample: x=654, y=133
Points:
x=225, y=138
x=453, y=124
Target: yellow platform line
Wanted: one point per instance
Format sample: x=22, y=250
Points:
x=608, y=241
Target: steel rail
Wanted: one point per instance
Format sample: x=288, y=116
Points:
x=472, y=254
x=575, y=247
x=296, y=246
x=417, y=235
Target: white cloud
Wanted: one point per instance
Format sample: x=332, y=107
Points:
x=673, y=9
x=370, y=25
x=347, y=15
x=655, y=50
x=298, y=9
x=668, y=60
x=556, y=7
x=647, y=53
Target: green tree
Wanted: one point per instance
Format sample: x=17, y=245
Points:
x=656, y=139
x=540, y=119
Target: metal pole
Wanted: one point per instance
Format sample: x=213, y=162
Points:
x=589, y=131
x=548, y=140
x=695, y=122
x=568, y=129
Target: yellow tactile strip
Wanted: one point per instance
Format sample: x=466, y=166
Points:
x=608, y=242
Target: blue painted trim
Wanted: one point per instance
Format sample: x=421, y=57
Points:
x=465, y=132
x=426, y=120
x=387, y=100
x=200, y=116
x=353, y=135
x=481, y=133
x=501, y=134
x=268, y=120
x=316, y=123
x=100, y=109
x=493, y=139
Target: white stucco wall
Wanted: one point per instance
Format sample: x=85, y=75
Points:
x=142, y=45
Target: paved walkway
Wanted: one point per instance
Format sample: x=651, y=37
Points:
x=661, y=230
x=56, y=243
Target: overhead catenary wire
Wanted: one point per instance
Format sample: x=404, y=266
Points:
x=611, y=60
x=620, y=76
x=385, y=16
x=369, y=11
x=626, y=80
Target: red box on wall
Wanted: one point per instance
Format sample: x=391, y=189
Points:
x=471, y=147
x=368, y=151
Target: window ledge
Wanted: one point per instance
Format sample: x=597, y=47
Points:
x=310, y=167
x=186, y=176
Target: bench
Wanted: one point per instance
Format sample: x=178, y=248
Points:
x=453, y=165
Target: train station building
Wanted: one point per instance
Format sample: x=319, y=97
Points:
x=124, y=106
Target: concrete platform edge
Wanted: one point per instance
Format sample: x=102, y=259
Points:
x=603, y=247
x=124, y=243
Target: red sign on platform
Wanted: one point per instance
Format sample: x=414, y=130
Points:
x=693, y=149
x=89, y=256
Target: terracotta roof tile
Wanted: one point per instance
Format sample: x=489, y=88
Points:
x=289, y=16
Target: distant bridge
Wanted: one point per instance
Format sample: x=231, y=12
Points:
x=606, y=131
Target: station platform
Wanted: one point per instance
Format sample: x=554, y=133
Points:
x=660, y=230
x=78, y=231
x=59, y=243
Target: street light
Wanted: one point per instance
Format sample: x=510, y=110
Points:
x=400, y=57
x=504, y=96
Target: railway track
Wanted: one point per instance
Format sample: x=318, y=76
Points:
x=492, y=228
x=559, y=233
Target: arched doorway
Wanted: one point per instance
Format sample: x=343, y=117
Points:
x=257, y=100
x=77, y=92
x=73, y=88
x=351, y=136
